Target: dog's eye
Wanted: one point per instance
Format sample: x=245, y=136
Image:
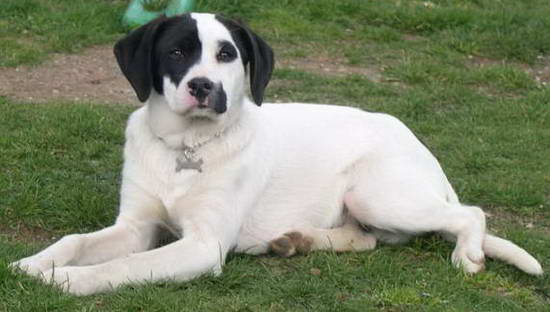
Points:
x=176, y=54
x=224, y=56
x=227, y=54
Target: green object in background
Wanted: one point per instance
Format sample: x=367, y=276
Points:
x=140, y=12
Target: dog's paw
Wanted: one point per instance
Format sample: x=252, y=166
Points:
x=290, y=244
x=33, y=265
x=471, y=261
x=366, y=241
x=72, y=280
x=282, y=246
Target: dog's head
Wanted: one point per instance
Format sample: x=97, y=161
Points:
x=198, y=62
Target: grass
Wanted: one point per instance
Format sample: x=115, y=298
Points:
x=489, y=126
x=31, y=30
x=508, y=29
x=155, y=5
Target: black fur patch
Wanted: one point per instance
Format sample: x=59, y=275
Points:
x=256, y=54
x=146, y=55
x=219, y=99
x=178, y=33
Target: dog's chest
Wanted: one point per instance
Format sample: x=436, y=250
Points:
x=171, y=173
x=165, y=173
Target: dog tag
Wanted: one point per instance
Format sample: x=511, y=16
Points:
x=188, y=164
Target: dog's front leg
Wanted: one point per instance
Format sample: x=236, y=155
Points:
x=180, y=261
x=134, y=231
x=207, y=239
x=82, y=249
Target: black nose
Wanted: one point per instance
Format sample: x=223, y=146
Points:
x=200, y=87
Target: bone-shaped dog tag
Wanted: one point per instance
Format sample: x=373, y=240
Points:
x=189, y=164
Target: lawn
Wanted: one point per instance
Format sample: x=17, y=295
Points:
x=468, y=76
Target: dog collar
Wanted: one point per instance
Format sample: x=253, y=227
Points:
x=188, y=157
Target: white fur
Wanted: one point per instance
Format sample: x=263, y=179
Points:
x=317, y=169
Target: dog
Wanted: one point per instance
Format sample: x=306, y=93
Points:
x=224, y=173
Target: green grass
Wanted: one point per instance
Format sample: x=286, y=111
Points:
x=155, y=5
x=367, y=30
x=39, y=151
x=30, y=30
x=489, y=127
x=360, y=31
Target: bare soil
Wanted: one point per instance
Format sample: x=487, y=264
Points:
x=326, y=65
x=94, y=76
x=498, y=219
x=540, y=71
x=26, y=234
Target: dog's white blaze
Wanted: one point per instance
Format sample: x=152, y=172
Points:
x=211, y=32
x=231, y=75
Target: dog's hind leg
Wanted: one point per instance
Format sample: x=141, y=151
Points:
x=402, y=198
x=348, y=237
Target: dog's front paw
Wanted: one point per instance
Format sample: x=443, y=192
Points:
x=33, y=265
x=72, y=280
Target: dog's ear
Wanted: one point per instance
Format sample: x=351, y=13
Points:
x=134, y=55
x=260, y=56
x=255, y=52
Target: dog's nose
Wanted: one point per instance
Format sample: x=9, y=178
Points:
x=200, y=87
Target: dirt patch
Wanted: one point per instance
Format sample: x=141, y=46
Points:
x=94, y=76
x=499, y=219
x=540, y=71
x=411, y=37
x=26, y=234
x=480, y=61
x=325, y=65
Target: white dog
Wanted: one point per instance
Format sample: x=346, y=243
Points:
x=223, y=174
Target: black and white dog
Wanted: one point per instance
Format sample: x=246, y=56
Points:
x=223, y=174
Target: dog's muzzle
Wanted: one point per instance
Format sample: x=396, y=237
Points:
x=200, y=88
x=208, y=94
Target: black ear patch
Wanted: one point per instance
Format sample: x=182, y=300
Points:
x=254, y=51
x=135, y=58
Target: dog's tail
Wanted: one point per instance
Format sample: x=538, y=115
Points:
x=505, y=250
